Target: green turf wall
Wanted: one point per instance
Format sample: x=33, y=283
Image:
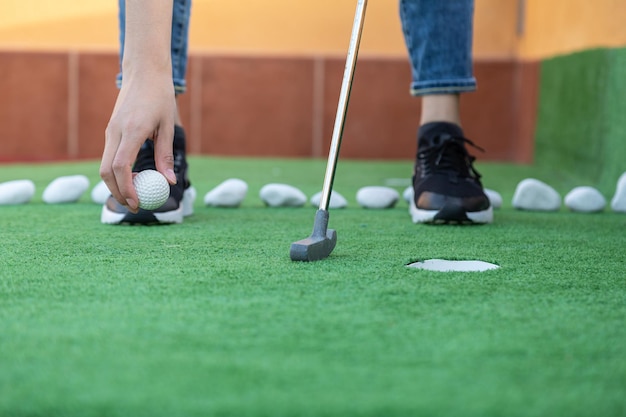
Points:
x=581, y=126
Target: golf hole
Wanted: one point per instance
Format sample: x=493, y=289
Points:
x=444, y=265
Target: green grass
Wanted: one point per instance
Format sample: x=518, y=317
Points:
x=580, y=125
x=211, y=318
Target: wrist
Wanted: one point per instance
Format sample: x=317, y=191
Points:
x=146, y=66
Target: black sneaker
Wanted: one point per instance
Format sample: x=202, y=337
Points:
x=182, y=195
x=447, y=188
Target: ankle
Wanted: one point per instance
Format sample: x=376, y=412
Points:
x=441, y=108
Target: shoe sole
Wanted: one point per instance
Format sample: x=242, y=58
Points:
x=189, y=197
x=146, y=217
x=450, y=215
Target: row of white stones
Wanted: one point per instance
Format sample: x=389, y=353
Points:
x=530, y=194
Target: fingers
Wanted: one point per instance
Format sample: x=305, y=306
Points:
x=163, y=152
x=122, y=170
x=116, y=167
x=111, y=143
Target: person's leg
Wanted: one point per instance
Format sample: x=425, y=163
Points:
x=438, y=37
x=440, y=107
x=180, y=203
x=180, y=35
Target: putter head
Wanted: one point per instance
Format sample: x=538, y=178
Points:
x=317, y=246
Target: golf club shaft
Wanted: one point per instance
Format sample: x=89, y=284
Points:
x=344, y=98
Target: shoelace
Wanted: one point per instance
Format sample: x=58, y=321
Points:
x=451, y=157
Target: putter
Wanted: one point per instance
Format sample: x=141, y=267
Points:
x=323, y=240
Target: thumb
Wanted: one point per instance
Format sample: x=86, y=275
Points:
x=164, y=153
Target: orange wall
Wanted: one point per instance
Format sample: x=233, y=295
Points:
x=556, y=26
x=320, y=27
x=323, y=26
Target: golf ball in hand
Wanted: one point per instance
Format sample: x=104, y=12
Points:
x=152, y=189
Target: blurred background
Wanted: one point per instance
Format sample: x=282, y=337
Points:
x=264, y=75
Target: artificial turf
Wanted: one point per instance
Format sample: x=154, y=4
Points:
x=211, y=318
x=581, y=125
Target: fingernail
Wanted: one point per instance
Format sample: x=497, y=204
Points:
x=131, y=204
x=170, y=175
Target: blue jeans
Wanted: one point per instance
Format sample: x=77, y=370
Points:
x=438, y=36
x=180, y=36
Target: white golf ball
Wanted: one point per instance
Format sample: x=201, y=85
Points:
x=152, y=189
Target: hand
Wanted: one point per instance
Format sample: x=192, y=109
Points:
x=145, y=109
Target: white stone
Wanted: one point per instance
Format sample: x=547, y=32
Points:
x=585, y=200
x=618, y=203
x=66, y=189
x=337, y=201
x=282, y=195
x=229, y=193
x=100, y=193
x=532, y=194
x=494, y=197
x=408, y=194
x=377, y=197
x=443, y=265
x=16, y=192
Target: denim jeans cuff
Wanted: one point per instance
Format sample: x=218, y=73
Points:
x=443, y=87
x=180, y=86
